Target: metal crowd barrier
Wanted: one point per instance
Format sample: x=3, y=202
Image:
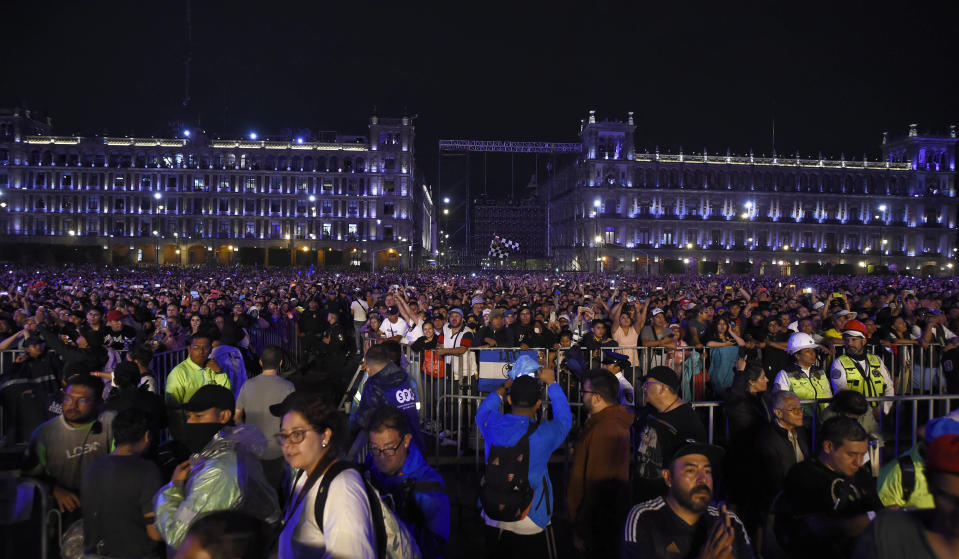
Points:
x=898, y=430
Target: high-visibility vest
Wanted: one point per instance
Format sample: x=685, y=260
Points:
x=816, y=385
x=875, y=385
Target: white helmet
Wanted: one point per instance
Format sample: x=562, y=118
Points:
x=799, y=341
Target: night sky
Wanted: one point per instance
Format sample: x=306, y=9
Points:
x=833, y=75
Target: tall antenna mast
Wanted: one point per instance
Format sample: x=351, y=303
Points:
x=188, y=56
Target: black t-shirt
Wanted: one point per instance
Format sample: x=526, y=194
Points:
x=121, y=339
x=775, y=359
x=653, y=530
x=117, y=492
x=660, y=435
x=503, y=336
x=813, y=489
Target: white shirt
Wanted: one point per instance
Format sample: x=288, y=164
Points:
x=390, y=329
x=626, y=390
x=452, y=341
x=415, y=332
x=359, y=310
x=347, y=524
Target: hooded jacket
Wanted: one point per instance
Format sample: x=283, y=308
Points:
x=507, y=429
x=431, y=520
x=389, y=387
x=228, y=476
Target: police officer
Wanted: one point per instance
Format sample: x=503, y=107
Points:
x=619, y=365
x=803, y=378
x=859, y=370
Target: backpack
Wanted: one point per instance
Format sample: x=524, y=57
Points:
x=403, y=500
x=908, y=480
x=393, y=537
x=505, y=490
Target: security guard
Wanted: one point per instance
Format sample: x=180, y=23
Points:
x=619, y=365
x=858, y=370
x=803, y=378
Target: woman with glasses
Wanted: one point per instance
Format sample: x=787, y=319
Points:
x=311, y=436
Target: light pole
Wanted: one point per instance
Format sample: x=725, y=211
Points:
x=596, y=242
x=156, y=247
x=882, y=222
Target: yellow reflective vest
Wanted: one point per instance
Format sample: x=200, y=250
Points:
x=816, y=385
x=874, y=386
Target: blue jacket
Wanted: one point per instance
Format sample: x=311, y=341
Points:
x=389, y=387
x=434, y=506
x=507, y=429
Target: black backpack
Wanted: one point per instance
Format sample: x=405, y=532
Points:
x=908, y=480
x=505, y=490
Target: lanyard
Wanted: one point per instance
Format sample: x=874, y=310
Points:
x=310, y=480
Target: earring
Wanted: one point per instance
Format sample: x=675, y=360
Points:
x=324, y=444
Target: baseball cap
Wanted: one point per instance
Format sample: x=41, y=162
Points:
x=942, y=454
x=456, y=310
x=211, y=396
x=657, y=311
x=292, y=401
x=525, y=391
x=509, y=313
x=496, y=313
x=664, y=375
x=613, y=357
x=114, y=315
x=477, y=301
x=714, y=453
x=818, y=305
x=393, y=309
x=846, y=313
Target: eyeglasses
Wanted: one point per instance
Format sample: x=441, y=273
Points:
x=84, y=401
x=293, y=437
x=387, y=452
x=791, y=410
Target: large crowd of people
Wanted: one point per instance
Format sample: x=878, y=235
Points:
x=240, y=447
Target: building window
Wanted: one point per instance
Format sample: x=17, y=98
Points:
x=353, y=208
x=352, y=230
x=327, y=185
x=388, y=208
x=327, y=207
x=327, y=230
x=67, y=180
x=250, y=230
x=389, y=164
x=249, y=206
x=274, y=206
x=389, y=187
x=388, y=233
x=251, y=184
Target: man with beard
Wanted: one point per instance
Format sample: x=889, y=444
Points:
x=683, y=524
x=859, y=370
x=223, y=473
x=63, y=446
x=599, y=481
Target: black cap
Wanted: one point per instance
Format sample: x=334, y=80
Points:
x=525, y=391
x=714, y=453
x=211, y=396
x=664, y=375
x=292, y=400
x=610, y=356
x=393, y=310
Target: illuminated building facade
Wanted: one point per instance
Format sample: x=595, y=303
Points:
x=621, y=209
x=196, y=199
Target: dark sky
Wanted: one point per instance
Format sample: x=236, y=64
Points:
x=834, y=74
